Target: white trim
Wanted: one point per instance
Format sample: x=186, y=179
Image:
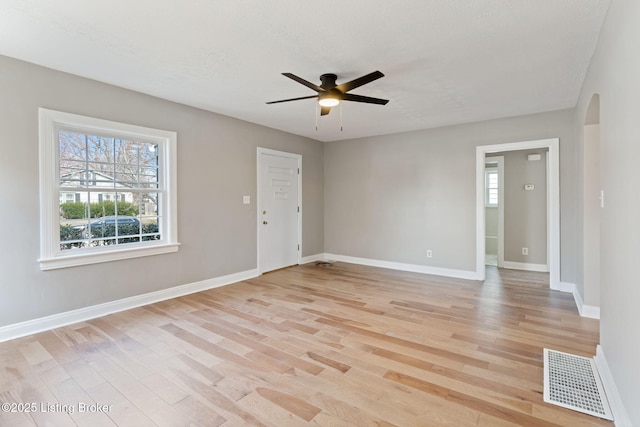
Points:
x=589, y=311
x=51, y=257
x=525, y=266
x=553, y=178
x=577, y=298
x=313, y=258
x=74, y=316
x=259, y=152
x=75, y=259
x=620, y=415
x=567, y=287
x=437, y=271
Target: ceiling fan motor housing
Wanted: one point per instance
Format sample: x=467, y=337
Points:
x=328, y=81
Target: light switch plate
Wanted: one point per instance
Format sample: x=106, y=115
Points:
x=529, y=187
x=246, y=200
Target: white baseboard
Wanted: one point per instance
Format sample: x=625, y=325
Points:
x=313, y=258
x=74, y=316
x=590, y=311
x=437, y=271
x=620, y=416
x=578, y=299
x=567, y=287
x=544, y=268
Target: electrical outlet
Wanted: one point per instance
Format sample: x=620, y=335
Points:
x=429, y=253
x=525, y=251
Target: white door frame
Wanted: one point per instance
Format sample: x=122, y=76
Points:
x=298, y=157
x=499, y=161
x=553, y=206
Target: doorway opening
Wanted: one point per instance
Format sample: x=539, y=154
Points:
x=494, y=211
x=552, y=196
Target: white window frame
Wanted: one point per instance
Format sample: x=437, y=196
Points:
x=51, y=256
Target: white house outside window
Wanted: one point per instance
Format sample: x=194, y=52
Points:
x=107, y=190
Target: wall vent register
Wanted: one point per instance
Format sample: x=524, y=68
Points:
x=573, y=382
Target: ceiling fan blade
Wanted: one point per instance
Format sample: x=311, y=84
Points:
x=292, y=99
x=346, y=87
x=325, y=110
x=304, y=82
x=365, y=99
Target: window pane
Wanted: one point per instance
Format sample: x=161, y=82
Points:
x=126, y=152
x=128, y=226
x=127, y=175
x=71, y=146
x=149, y=154
x=127, y=204
x=150, y=229
x=100, y=174
x=491, y=187
x=74, y=216
x=149, y=204
x=71, y=172
x=148, y=177
x=109, y=230
x=73, y=206
x=493, y=196
x=100, y=149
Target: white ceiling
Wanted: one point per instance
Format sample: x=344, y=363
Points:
x=446, y=61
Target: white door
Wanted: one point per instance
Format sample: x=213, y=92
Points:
x=278, y=209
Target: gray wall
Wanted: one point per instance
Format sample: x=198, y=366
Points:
x=525, y=212
x=394, y=197
x=614, y=73
x=591, y=218
x=216, y=167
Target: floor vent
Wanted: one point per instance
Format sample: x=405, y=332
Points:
x=573, y=382
x=324, y=263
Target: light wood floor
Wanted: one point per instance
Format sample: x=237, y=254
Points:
x=344, y=345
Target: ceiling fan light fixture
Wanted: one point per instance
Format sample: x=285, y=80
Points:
x=328, y=102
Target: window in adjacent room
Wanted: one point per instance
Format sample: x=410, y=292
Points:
x=107, y=190
x=491, y=187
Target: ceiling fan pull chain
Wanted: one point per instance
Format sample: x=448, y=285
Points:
x=341, y=117
x=317, y=113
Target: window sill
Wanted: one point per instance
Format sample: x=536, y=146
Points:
x=78, y=259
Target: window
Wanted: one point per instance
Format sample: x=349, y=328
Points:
x=107, y=190
x=491, y=187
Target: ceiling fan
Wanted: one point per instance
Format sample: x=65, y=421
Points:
x=329, y=94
